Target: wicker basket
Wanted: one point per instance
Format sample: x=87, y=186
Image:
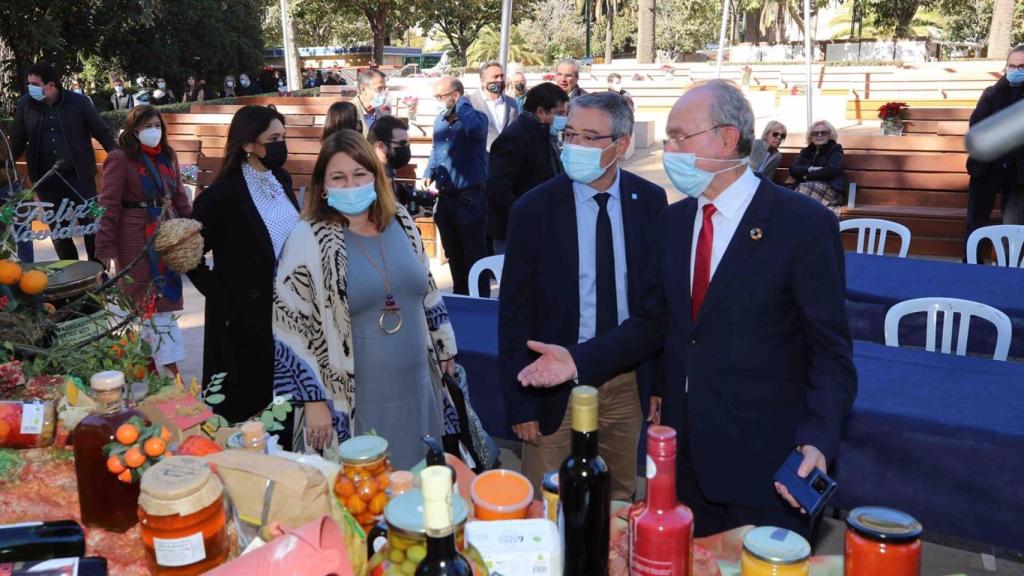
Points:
x=180, y=244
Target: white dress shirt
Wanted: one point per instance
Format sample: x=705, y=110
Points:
x=497, y=111
x=730, y=206
x=277, y=211
x=586, y=234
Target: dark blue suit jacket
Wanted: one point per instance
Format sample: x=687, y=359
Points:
x=769, y=358
x=540, y=286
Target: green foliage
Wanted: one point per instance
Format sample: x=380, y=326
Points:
x=318, y=23
x=488, y=44
x=459, y=22
x=554, y=30
x=685, y=26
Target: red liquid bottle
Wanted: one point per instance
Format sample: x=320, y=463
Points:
x=660, y=528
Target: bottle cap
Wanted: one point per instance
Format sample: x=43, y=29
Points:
x=436, y=485
x=661, y=441
x=106, y=381
x=584, y=409
x=181, y=485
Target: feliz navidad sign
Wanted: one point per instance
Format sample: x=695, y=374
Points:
x=63, y=219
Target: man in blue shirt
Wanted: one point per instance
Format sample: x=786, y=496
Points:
x=458, y=166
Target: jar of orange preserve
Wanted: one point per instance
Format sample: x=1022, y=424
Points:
x=882, y=541
x=771, y=551
x=181, y=511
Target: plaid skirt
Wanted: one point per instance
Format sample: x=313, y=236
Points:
x=822, y=192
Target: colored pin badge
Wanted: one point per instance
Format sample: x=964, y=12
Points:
x=756, y=234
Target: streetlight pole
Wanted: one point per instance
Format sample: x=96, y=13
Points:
x=506, y=31
x=586, y=15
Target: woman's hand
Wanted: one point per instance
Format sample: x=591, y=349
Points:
x=448, y=367
x=319, y=430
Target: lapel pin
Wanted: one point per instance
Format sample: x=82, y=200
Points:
x=756, y=233
x=634, y=196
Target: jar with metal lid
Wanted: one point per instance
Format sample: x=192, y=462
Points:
x=28, y=424
x=407, y=538
x=882, y=541
x=361, y=486
x=181, y=510
x=771, y=551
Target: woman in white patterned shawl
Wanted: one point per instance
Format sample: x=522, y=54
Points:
x=360, y=331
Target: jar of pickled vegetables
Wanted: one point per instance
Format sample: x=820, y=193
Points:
x=30, y=424
x=361, y=486
x=771, y=551
x=407, y=539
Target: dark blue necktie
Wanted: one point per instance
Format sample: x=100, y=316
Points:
x=607, y=308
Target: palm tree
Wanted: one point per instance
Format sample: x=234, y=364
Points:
x=777, y=15
x=604, y=13
x=1001, y=30
x=925, y=24
x=645, y=31
x=488, y=44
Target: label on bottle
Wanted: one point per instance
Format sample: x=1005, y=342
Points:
x=32, y=418
x=62, y=566
x=174, y=552
x=652, y=468
x=379, y=543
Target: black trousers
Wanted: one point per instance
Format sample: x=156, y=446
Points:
x=461, y=220
x=54, y=190
x=981, y=199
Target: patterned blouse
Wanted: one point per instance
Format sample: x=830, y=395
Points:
x=277, y=211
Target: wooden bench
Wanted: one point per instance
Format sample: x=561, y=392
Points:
x=937, y=121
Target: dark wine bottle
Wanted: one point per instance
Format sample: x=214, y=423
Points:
x=41, y=541
x=442, y=557
x=584, y=487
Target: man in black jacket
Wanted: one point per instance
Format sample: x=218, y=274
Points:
x=523, y=157
x=1005, y=175
x=54, y=125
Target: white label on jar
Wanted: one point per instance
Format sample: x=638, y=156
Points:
x=32, y=418
x=652, y=468
x=173, y=552
x=379, y=543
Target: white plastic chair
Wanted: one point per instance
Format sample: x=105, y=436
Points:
x=492, y=263
x=871, y=229
x=1012, y=234
x=949, y=307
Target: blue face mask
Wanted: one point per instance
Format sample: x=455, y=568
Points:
x=558, y=124
x=36, y=92
x=379, y=100
x=352, y=201
x=1015, y=77
x=682, y=170
x=583, y=164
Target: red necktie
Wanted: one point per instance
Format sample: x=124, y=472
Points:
x=702, y=265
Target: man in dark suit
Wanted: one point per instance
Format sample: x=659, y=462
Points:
x=523, y=157
x=577, y=249
x=746, y=298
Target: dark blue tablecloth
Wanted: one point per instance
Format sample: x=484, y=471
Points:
x=875, y=283
x=941, y=437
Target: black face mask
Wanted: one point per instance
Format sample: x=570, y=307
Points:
x=495, y=87
x=401, y=157
x=277, y=154
x=520, y=88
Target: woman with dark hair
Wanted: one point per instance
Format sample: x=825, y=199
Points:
x=195, y=90
x=140, y=178
x=247, y=214
x=358, y=319
x=341, y=115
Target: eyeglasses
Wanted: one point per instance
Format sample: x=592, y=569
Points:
x=779, y=135
x=677, y=141
x=589, y=139
x=820, y=133
x=1015, y=66
x=442, y=97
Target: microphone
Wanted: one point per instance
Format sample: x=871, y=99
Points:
x=997, y=135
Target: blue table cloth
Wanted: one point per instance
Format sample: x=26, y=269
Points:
x=875, y=283
x=941, y=437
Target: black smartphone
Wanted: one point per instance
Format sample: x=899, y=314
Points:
x=812, y=492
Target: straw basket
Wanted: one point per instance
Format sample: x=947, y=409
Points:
x=180, y=244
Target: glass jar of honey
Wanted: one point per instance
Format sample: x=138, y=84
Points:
x=771, y=551
x=407, y=538
x=181, y=510
x=882, y=541
x=361, y=486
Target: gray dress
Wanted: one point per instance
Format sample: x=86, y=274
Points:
x=394, y=394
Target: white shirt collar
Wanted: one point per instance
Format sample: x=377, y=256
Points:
x=585, y=192
x=735, y=197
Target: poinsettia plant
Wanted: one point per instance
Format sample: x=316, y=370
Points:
x=892, y=110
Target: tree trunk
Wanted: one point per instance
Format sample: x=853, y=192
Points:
x=780, y=22
x=1002, y=26
x=645, y=32
x=751, y=29
x=609, y=34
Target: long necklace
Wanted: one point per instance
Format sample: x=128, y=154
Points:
x=390, y=309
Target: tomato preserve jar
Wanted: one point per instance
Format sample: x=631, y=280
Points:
x=181, y=510
x=882, y=541
x=771, y=551
x=361, y=486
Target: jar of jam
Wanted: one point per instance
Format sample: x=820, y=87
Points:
x=29, y=424
x=771, y=551
x=882, y=541
x=407, y=538
x=361, y=486
x=181, y=510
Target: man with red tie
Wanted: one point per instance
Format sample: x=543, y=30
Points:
x=746, y=296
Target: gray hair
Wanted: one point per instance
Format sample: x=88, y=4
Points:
x=367, y=75
x=730, y=107
x=572, y=62
x=614, y=105
x=490, y=64
x=833, y=134
x=1014, y=50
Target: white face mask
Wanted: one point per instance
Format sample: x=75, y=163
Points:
x=150, y=137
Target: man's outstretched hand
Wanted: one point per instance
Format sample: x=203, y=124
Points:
x=555, y=366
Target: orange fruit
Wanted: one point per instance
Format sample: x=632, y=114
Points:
x=368, y=489
x=165, y=434
x=33, y=282
x=377, y=504
x=154, y=447
x=115, y=465
x=140, y=373
x=344, y=487
x=366, y=519
x=5, y=429
x=355, y=505
x=134, y=458
x=127, y=434
x=383, y=482
x=10, y=272
x=125, y=476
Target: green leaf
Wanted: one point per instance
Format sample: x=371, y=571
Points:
x=275, y=427
x=214, y=399
x=215, y=388
x=280, y=411
x=267, y=419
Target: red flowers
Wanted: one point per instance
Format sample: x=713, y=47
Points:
x=892, y=110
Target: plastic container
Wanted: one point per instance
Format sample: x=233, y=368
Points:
x=882, y=541
x=31, y=424
x=549, y=491
x=407, y=539
x=771, y=551
x=252, y=437
x=361, y=486
x=501, y=495
x=181, y=510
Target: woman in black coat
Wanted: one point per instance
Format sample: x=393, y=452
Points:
x=247, y=214
x=819, y=171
